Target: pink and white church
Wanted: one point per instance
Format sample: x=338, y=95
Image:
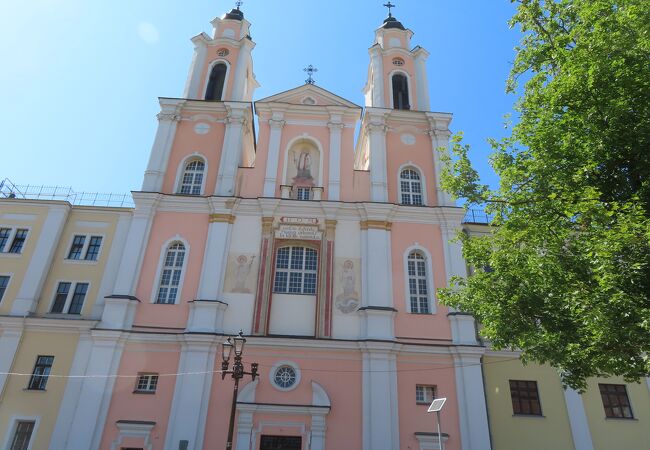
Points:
x=325, y=247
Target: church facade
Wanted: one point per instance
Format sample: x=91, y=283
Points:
x=323, y=247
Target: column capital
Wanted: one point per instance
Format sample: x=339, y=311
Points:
x=168, y=117
x=277, y=124
x=376, y=225
x=335, y=126
x=222, y=218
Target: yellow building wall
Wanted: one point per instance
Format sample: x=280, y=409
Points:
x=510, y=432
x=608, y=434
x=17, y=401
x=16, y=264
x=105, y=221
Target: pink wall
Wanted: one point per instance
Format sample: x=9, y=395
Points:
x=125, y=405
x=422, y=326
x=167, y=226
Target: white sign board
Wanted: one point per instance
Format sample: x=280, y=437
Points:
x=298, y=232
x=437, y=404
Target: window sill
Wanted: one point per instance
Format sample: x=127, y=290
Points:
x=165, y=304
x=294, y=293
x=67, y=316
x=10, y=255
x=34, y=390
x=535, y=416
x=144, y=392
x=423, y=313
x=633, y=419
x=91, y=262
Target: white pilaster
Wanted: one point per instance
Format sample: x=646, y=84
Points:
x=243, y=62
x=244, y=437
x=112, y=264
x=380, y=406
x=578, y=420
x=187, y=418
x=231, y=152
x=421, y=81
x=192, y=86
x=96, y=391
x=270, y=179
x=9, y=342
x=215, y=257
x=472, y=411
x=168, y=119
x=136, y=242
x=336, y=131
x=440, y=135
x=376, y=129
x=41, y=260
x=376, y=83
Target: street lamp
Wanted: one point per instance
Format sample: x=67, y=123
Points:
x=436, y=406
x=235, y=343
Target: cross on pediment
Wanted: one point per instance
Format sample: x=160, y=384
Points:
x=311, y=70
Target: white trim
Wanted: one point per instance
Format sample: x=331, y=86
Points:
x=430, y=287
x=11, y=429
x=84, y=249
x=213, y=63
x=279, y=364
x=409, y=87
x=68, y=299
x=180, y=171
x=319, y=146
x=133, y=430
x=423, y=183
x=161, y=262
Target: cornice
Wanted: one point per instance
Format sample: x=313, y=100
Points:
x=47, y=324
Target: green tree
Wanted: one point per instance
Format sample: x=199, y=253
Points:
x=565, y=274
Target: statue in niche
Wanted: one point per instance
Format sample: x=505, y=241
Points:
x=348, y=301
x=244, y=266
x=303, y=162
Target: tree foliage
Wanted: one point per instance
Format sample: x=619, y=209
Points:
x=565, y=274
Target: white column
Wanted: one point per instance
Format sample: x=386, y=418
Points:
x=192, y=86
x=273, y=158
x=421, y=81
x=136, y=244
x=95, y=393
x=578, y=420
x=112, y=264
x=239, y=77
x=336, y=131
x=232, y=149
x=41, y=260
x=215, y=257
x=472, y=410
x=380, y=405
x=187, y=418
x=168, y=119
x=9, y=342
x=376, y=130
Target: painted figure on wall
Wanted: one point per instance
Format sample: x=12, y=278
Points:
x=244, y=266
x=303, y=165
x=348, y=301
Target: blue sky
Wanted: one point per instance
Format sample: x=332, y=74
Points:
x=80, y=79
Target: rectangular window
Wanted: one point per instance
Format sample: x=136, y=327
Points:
x=303, y=193
x=4, y=282
x=525, y=398
x=147, y=382
x=424, y=395
x=22, y=435
x=4, y=237
x=61, y=297
x=78, y=298
x=296, y=270
x=68, y=300
x=42, y=369
x=18, y=242
x=77, y=247
x=615, y=401
x=93, y=248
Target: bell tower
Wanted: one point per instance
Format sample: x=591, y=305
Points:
x=222, y=65
x=397, y=76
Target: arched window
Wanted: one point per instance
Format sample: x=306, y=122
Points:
x=417, y=282
x=217, y=82
x=400, y=92
x=192, y=179
x=170, y=276
x=410, y=187
x=296, y=270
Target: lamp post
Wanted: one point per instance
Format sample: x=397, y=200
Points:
x=436, y=406
x=235, y=343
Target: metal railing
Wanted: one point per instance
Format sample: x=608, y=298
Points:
x=40, y=192
x=477, y=216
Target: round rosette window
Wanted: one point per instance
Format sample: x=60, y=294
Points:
x=285, y=376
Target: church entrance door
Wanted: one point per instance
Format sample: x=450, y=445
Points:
x=281, y=443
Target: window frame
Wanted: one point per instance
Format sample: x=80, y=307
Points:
x=182, y=169
x=528, y=399
x=424, y=387
x=4, y=290
x=431, y=287
x=42, y=379
x=289, y=270
x=13, y=427
x=618, y=397
x=423, y=185
x=148, y=389
x=83, y=255
x=161, y=266
x=69, y=297
x=11, y=238
x=300, y=189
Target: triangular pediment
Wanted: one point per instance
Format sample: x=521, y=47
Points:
x=309, y=95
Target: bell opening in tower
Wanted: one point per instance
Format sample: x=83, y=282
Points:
x=400, y=92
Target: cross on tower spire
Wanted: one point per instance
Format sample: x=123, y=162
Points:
x=389, y=5
x=238, y=3
x=311, y=70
